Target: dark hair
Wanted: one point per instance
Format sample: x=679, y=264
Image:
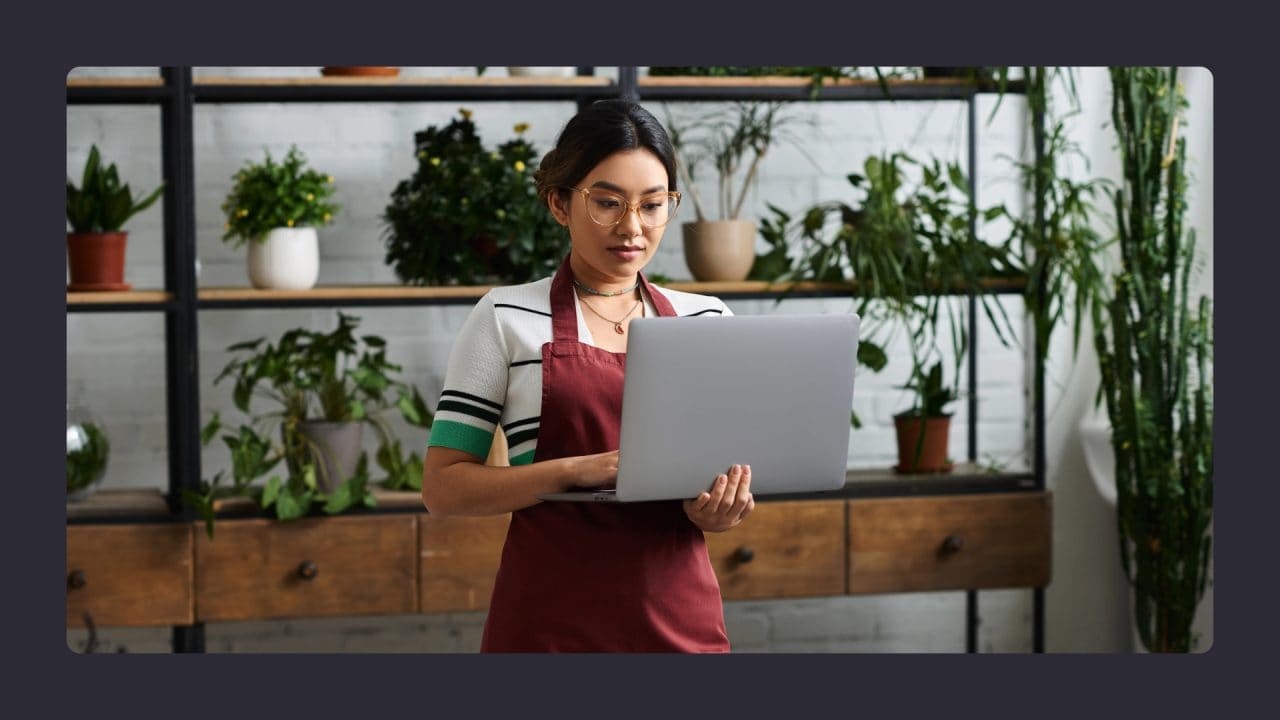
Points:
x=596, y=132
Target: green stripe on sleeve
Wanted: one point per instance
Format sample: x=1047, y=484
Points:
x=524, y=458
x=445, y=433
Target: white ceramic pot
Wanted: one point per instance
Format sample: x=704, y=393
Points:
x=286, y=259
x=540, y=71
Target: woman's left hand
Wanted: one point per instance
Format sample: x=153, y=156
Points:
x=726, y=504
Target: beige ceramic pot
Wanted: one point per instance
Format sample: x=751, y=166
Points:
x=719, y=250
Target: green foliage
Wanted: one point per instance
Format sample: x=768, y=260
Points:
x=101, y=203
x=1054, y=243
x=907, y=246
x=469, y=214
x=87, y=460
x=932, y=396
x=311, y=375
x=1155, y=349
x=816, y=74
x=726, y=141
x=272, y=194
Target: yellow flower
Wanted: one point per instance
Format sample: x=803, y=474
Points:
x=519, y=166
x=289, y=222
x=330, y=179
x=465, y=201
x=242, y=212
x=502, y=214
x=435, y=162
x=493, y=156
x=226, y=226
x=327, y=217
x=521, y=127
x=311, y=197
x=465, y=113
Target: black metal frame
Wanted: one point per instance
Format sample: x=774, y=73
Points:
x=177, y=98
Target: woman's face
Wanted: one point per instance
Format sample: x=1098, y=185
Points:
x=613, y=253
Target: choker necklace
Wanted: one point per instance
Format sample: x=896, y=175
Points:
x=593, y=291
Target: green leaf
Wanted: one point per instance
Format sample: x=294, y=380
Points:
x=271, y=492
x=292, y=504
x=872, y=356
x=210, y=429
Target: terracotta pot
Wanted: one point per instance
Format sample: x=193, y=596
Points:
x=933, y=456
x=96, y=261
x=719, y=250
x=359, y=71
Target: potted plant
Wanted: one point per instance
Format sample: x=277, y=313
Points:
x=97, y=212
x=469, y=214
x=723, y=249
x=87, y=453
x=907, y=248
x=924, y=428
x=1155, y=351
x=275, y=208
x=325, y=387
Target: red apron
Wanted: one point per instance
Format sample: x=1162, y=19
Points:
x=598, y=577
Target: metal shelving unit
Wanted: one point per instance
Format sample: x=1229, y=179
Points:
x=181, y=300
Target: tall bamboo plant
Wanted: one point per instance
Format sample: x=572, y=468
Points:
x=1155, y=350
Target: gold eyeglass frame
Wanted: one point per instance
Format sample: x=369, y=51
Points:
x=586, y=193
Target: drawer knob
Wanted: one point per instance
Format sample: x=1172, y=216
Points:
x=76, y=579
x=952, y=544
x=308, y=570
x=744, y=554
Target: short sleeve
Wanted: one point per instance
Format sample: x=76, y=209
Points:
x=475, y=385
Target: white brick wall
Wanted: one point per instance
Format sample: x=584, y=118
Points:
x=115, y=363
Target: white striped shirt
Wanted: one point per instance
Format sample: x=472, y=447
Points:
x=495, y=367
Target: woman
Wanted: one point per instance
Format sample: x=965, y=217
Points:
x=546, y=360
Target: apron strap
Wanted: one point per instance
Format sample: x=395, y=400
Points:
x=564, y=315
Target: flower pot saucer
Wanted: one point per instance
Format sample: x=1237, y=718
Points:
x=944, y=469
x=99, y=287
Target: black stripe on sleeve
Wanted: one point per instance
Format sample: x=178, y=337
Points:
x=522, y=436
x=527, y=362
x=466, y=409
x=518, y=307
x=510, y=426
x=704, y=312
x=472, y=398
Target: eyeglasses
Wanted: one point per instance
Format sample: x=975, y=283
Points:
x=607, y=208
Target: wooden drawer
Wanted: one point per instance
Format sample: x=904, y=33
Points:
x=783, y=549
x=263, y=568
x=129, y=575
x=458, y=560
x=962, y=542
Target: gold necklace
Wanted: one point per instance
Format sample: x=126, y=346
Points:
x=617, y=324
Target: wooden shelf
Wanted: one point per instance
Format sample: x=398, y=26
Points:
x=116, y=298
x=402, y=81
x=141, y=505
x=699, y=88
x=115, y=82
x=121, y=504
x=398, y=295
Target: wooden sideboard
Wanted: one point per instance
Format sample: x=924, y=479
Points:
x=127, y=569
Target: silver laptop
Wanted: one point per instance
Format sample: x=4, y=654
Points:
x=702, y=393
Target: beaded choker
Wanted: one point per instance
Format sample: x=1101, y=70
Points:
x=593, y=291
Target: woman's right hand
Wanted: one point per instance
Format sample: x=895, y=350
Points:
x=595, y=471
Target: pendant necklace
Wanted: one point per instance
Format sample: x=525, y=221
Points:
x=617, y=324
